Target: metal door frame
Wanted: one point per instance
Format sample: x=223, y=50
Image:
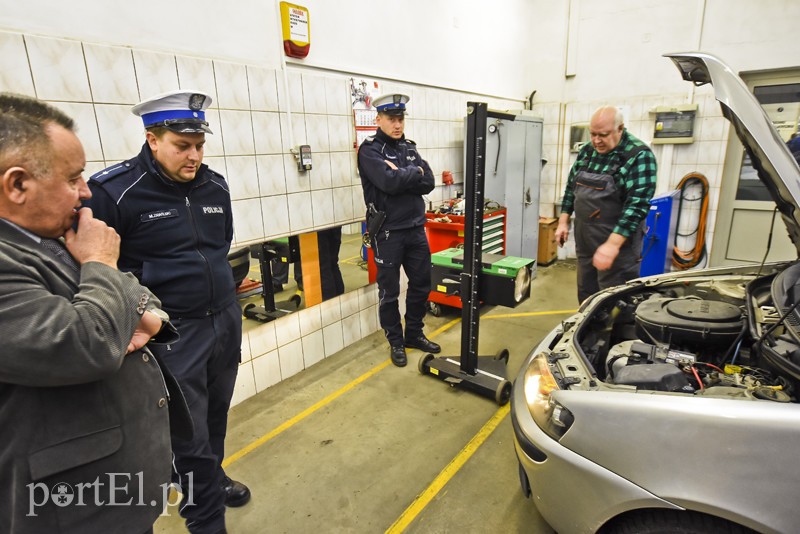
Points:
x=732, y=168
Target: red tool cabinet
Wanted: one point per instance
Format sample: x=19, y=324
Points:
x=444, y=235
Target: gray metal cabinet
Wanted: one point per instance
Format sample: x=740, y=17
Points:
x=512, y=178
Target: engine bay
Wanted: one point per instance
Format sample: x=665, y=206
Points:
x=729, y=336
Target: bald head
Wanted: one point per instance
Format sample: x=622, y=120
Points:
x=606, y=128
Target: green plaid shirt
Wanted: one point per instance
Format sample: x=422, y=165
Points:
x=635, y=178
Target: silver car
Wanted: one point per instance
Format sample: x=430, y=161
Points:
x=669, y=404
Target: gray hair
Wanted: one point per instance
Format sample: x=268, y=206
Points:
x=24, y=140
x=619, y=120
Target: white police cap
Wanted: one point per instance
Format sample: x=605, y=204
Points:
x=391, y=104
x=180, y=111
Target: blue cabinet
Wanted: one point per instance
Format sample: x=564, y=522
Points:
x=660, y=227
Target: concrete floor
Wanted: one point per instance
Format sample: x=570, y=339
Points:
x=354, y=444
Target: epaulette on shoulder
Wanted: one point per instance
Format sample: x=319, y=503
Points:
x=211, y=174
x=110, y=172
x=214, y=173
x=369, y=139
x=411, y=142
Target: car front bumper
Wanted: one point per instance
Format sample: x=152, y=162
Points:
x=571, y=492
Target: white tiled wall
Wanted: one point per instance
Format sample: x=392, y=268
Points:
x=255, y=125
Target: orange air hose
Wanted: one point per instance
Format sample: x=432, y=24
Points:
x=686, y=259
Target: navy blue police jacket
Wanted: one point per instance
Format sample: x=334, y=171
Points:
x=175, y=237
x=397, y=192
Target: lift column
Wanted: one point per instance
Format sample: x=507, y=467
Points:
x=485, y=375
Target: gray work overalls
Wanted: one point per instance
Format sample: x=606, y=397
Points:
x=598, y=207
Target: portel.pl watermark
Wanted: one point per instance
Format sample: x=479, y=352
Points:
x=116, y=489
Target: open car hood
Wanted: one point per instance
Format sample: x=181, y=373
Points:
x=770, y=156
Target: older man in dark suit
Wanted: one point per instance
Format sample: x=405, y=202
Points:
x=83, y=405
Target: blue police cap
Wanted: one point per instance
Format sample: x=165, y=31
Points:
x=391, y=104
x=180, y=111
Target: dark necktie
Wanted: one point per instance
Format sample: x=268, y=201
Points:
x=56, y=247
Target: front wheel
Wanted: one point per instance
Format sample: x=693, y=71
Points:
x=671, y=522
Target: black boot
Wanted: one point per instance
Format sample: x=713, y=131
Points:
x=236, y=493
x=398, y=355
x=423, y=343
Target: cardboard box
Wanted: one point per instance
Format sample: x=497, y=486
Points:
x=548, y=248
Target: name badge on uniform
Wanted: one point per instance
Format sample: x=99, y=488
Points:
x=158, y=215
x=213, y=210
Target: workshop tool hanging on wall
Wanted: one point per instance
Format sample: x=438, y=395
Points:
x=485, y=375
x=271, y=310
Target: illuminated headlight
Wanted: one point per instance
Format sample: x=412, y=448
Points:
x=522, y=284
x=548, y=414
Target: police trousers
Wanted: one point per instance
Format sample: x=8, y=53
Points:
x=205, y=362
x=408, y=249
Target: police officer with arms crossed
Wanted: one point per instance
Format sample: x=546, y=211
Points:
x=174, y=217
x=609, y=188
x=394, y=177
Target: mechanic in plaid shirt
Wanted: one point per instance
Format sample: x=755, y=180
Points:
x=609, y=189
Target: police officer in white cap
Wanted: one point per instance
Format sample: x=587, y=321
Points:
x=394, y=177
x=173, y=214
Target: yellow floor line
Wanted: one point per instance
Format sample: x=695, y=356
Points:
x=445, y=327
x=286, y=425
x=447, y=473
x=241, y=453
x=526, y=314
x=352, y=260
